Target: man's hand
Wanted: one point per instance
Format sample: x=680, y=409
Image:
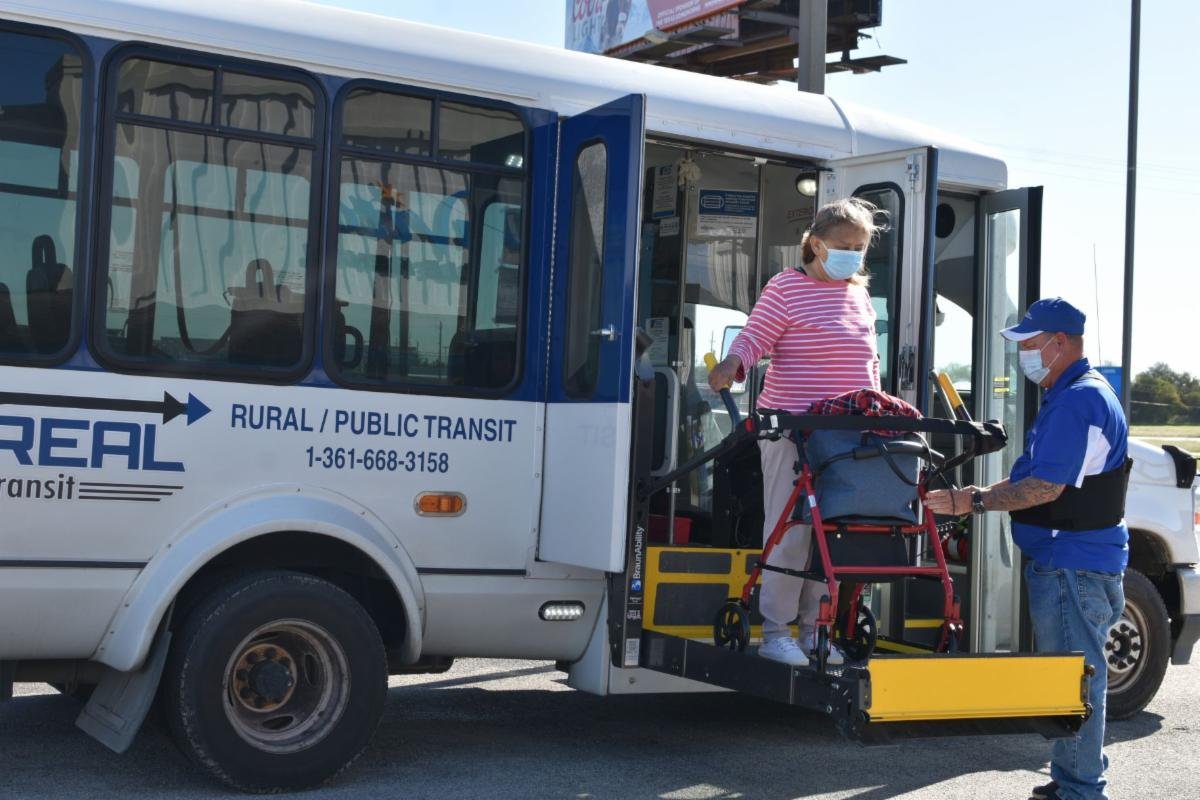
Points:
x=950, y=502
x=1003, y=496
x=723, y=374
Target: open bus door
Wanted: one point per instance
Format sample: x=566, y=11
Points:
x=904, y=184
x=585, y=474
x=1009, y=252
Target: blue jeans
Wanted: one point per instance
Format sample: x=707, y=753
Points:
x=1072, y=610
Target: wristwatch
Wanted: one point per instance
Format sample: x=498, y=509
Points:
x=977, y=502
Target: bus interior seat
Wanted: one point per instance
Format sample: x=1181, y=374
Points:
x=342, y=329
x=10, y=334
x=266, y=321
x=484, y=358
x=49, y=291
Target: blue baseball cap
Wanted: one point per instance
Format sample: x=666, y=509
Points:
x=1048, y=315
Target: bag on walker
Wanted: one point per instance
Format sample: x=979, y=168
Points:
x=863, y=475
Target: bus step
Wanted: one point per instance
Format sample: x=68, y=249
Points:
x=903, y=696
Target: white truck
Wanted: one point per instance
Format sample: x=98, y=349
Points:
x=1162, y=587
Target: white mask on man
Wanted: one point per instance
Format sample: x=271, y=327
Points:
x=1032, y=366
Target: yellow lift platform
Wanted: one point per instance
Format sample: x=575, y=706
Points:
x=901, y=690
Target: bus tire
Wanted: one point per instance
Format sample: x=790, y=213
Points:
x=1138, y=648
x=275, y=681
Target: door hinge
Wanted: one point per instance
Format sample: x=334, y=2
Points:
x=828, y=181
x=912, y=166
x=907, y=367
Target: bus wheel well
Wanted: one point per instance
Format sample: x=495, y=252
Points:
x=321, y=556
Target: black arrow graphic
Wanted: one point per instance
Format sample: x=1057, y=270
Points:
x=169, y=407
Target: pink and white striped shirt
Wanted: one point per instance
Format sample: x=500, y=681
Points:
x=821, y=337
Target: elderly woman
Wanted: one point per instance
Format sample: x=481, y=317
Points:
x=817, y=323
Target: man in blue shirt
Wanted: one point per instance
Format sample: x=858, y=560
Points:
x=1066, y=495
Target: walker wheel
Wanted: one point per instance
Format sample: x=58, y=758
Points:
x=731, y=629
x=948, y=641
x=861, y=645
x=822, y=647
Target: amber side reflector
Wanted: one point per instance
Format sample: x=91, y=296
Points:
x=440, y=504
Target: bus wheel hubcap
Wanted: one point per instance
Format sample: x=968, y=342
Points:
x=286, y=685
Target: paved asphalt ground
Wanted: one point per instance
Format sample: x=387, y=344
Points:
x=511, y=729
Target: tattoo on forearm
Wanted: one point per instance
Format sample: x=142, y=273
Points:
x=1025, y=493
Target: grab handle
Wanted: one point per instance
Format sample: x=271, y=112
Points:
x=735, y=416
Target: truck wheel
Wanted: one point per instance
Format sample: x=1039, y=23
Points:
x=1138, y=648
x=275, y=681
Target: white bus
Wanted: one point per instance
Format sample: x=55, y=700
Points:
x=318, y=343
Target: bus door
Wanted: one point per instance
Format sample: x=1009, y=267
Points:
x=1009, y=246
x=901, y=183
x=586, y=469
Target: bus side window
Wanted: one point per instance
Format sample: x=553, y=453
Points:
x=429, y=243
x=586, y=281
x=39, y=181
x=209, y=241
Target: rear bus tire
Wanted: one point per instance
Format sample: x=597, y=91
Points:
x=276, y=680
x=1138, y=648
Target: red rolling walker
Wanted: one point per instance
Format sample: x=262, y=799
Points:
x=856, y=631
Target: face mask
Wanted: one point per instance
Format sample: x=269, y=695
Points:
x=1031, y=363
x=841, y=264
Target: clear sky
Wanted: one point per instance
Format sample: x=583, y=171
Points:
x=1046, y=85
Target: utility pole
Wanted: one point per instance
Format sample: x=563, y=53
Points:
x=1135, y=29
x=812, y=34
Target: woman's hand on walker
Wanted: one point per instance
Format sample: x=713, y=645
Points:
x=723, y=374
x=950, y=502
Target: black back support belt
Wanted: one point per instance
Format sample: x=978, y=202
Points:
x=1098, y=503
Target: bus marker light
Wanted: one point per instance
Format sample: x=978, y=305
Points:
x=561, y=611
x=440, y=504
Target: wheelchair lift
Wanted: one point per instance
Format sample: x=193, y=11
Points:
x=662, y=611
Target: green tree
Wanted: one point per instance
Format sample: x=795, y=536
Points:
x=1191, y=399
x=1158, y=397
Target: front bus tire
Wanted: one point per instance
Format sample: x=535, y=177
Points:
x=1138, y=648
x=276, y=680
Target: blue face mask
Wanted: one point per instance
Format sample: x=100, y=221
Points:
x=841, y=264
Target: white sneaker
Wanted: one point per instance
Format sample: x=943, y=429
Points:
x=784, y=649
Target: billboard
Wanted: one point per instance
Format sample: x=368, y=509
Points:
x=597, y=26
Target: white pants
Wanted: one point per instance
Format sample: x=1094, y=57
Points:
x=783, y=598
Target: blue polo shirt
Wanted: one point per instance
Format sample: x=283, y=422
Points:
x=1080, y=430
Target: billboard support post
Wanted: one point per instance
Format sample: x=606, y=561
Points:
x=810, y=62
